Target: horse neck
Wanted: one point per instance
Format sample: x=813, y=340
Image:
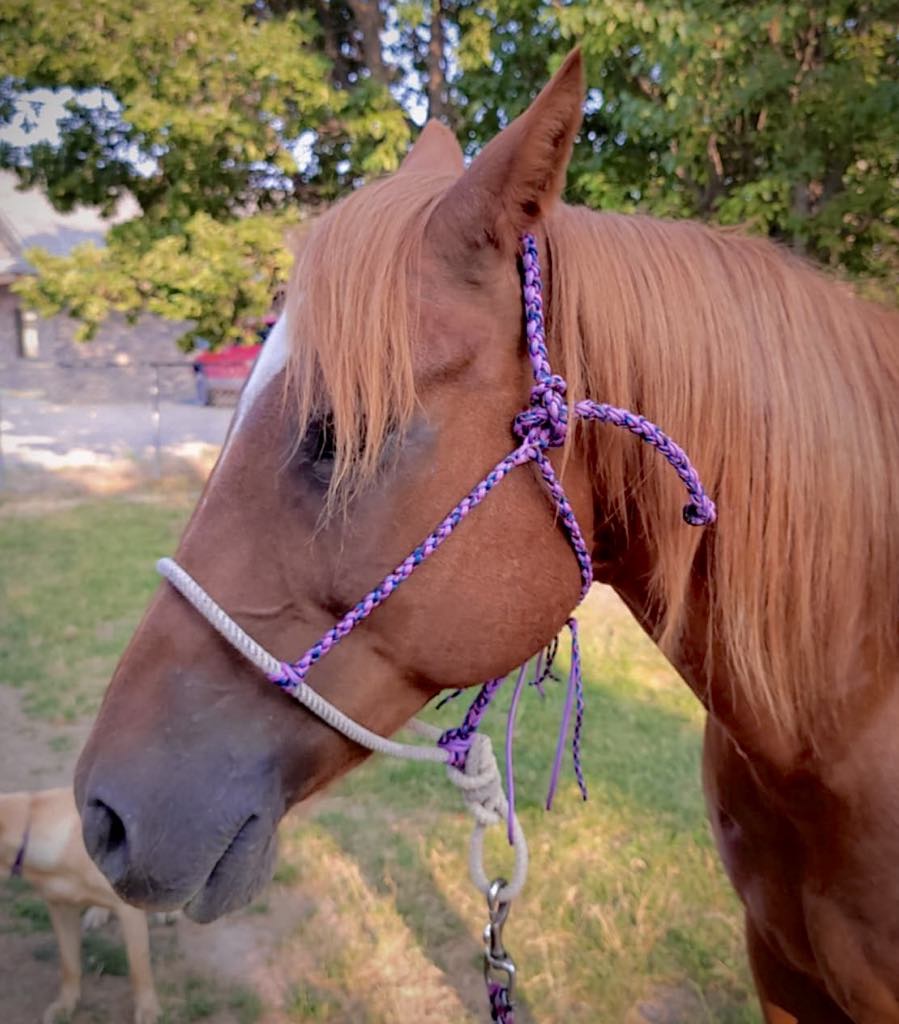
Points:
x=623, y=561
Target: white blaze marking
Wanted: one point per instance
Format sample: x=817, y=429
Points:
x=271, y=361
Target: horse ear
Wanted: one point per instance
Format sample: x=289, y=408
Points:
x=436, y=150
x=520, y=174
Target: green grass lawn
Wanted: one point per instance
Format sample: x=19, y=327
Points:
x=625, y=903
x=73, y=585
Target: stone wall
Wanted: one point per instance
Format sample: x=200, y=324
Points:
x=115, y=366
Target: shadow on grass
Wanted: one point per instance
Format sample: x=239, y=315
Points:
x=641, y=760
x=637, y=755
x=439, y=930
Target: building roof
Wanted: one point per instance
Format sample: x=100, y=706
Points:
x=27, y=219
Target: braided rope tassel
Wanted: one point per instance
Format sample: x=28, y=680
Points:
x=574, y=695
x=579, y=707
x=510, y=736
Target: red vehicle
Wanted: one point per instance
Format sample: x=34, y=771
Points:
x=227, y=369
x=223, y=371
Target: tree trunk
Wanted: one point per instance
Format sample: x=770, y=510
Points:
x=438, y=93
x=332, y=41
x=800, y=207
x=370, y=21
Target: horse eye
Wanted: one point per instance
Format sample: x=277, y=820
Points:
x=319, y=442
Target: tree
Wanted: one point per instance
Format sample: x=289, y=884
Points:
x=210, y=115
x=779, y=116
x=219, y=276
x=205, y=105
x=783, y=117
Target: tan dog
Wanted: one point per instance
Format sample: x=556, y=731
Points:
x=40, y=838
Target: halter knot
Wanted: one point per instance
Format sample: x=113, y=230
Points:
x=457, y=743
x=288, y=678
x=700, y=513
x=545, y=421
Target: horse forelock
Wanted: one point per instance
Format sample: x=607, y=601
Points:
x=352, y=312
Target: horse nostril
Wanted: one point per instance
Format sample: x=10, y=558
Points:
x=116, y=832
x=105, y=838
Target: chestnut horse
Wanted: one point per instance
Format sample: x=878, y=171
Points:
x=388, y=390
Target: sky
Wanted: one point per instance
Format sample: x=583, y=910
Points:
x=38, y=113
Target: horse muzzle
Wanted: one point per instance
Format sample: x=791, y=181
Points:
x=186, y=815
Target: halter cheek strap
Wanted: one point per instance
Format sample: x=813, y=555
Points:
x=468, y=755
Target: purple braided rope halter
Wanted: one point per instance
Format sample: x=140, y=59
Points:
x=543, y=425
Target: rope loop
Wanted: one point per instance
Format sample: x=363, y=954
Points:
x=480, y=785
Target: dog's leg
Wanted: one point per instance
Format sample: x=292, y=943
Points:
x=66, y=921
x=165, y=917
x=137, y=943
x=94, y=917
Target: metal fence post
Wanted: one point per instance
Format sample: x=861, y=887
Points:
x=2, y=459
x=156, y=421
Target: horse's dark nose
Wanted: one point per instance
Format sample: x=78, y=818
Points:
x=185, y=815
x=206, y=855
x=132, y=844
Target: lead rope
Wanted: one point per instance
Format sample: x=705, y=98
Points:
x=468, y=754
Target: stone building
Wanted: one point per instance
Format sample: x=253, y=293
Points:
x=40, y=355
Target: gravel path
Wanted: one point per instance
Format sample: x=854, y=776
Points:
x=38, y=437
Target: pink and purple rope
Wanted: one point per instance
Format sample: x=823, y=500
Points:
x=543, y=425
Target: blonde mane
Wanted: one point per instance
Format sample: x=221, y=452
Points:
x=780, y=383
